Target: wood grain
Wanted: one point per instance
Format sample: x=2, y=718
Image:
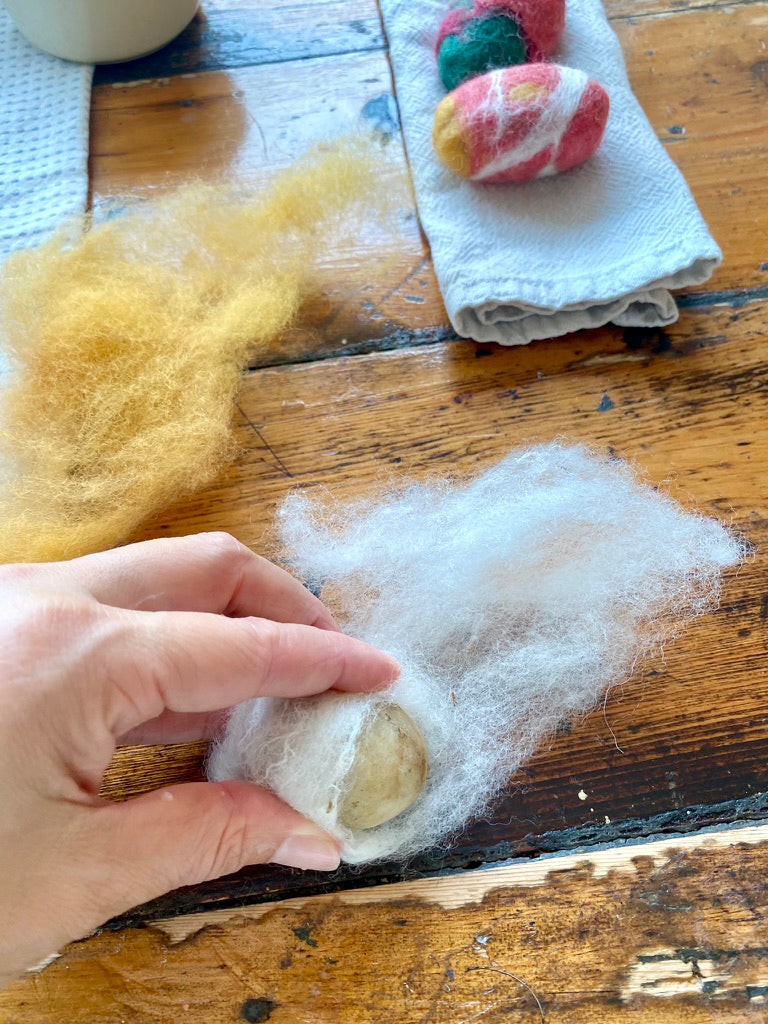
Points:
x=702, y=78
x=228, y=34
x=659, y=933
x=699, y=74
x=247, y=125
x=618, y=9
x=687, y=407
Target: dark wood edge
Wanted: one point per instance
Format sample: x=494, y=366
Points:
x=247, y=888
x=655, y=339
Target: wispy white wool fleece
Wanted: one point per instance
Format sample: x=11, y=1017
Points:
x=512, y=601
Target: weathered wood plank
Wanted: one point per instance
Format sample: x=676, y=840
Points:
x=687, y=406
x=248, y=125
x=662, y=932
x=229, y=34
x=618, y=9
x=702, y=79
x=699, y=75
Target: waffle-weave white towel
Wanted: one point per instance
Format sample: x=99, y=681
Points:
x=603, y=242
x=44, y=108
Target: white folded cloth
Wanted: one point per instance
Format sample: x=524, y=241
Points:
x=44, y=111
x=603, y=242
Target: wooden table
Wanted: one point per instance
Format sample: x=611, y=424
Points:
x=375, y=380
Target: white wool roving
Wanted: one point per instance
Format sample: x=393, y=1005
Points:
x=512, y=601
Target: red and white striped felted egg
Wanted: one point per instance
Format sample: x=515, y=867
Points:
x=519, y=123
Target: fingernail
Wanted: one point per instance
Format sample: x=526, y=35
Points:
x=395, y=670
x=327, y=621
x=311, y=852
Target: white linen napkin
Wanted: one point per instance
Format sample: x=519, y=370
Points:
x=44, y=112
x=603, y=242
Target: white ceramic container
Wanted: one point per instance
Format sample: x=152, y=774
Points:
x=101, y=31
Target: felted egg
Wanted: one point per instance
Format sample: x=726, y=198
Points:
x=487, y=34
x=520, y=123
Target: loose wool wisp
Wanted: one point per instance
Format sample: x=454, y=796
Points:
x=128, y=345
x=512, y=601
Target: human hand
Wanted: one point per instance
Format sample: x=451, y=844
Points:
x=145, y=644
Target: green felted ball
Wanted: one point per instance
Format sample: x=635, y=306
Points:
x=480, y=45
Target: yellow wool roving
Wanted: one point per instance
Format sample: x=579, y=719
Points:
x=128, y=342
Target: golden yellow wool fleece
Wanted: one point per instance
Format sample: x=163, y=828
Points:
x=128, y=346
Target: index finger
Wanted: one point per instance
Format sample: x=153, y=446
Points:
x=195, y=662
x=207, y=572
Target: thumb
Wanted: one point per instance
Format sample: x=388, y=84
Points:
x=181, y=835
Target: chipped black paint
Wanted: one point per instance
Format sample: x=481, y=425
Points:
x=398, y=339
x=606, y=403
x=255, y=1011
x=304, y=933
x=688, y=955
x=654, y=339
x=382, y=115
x=736, y=298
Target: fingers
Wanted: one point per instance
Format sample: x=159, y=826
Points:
x=190, y=833
x=208, y=572
x=196, y=662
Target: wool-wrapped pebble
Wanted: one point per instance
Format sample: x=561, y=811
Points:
x=388, y=772
x=520, y=123
x=487, y=34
